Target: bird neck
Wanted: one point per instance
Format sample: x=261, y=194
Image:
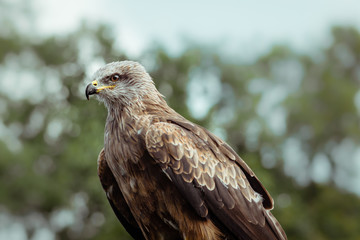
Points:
x=138, y=108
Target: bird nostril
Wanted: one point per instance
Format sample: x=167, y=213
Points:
x=94, y=83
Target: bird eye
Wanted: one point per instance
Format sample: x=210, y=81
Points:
x=115, y=77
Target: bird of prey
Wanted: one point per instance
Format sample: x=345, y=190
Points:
x=168, y=178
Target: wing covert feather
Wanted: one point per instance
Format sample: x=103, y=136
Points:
x=212, y=177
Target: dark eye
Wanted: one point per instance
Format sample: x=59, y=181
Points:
x=115, y=77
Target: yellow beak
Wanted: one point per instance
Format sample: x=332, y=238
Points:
x=99, y=89
x=93, y=89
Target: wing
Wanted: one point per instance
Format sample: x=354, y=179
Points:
x=116, y=199
x=213, y=179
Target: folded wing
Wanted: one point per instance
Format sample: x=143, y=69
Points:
x=213, y=179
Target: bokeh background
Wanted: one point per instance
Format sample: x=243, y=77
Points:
x=278, y=80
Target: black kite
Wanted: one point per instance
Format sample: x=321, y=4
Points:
x=168, y=178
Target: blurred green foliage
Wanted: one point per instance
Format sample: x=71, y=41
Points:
x=286, y=114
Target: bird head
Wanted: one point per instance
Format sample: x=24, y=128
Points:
x=124, y=83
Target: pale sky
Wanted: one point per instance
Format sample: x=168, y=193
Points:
x=240, y=28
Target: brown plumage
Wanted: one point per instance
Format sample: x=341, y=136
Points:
x=168, y=178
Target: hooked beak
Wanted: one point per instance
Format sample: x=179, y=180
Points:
x=93, y=89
